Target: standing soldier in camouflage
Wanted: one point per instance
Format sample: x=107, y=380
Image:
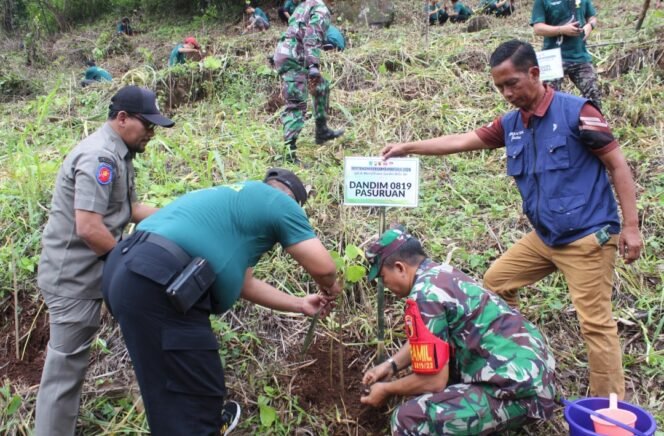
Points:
x=567, y=24
x=297, y=59
x=478, y=367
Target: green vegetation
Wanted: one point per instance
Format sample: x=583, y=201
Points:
x=391, y=85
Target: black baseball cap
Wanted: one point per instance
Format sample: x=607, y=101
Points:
x=135, y=100
x=289, y=179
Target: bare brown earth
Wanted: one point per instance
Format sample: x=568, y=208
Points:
x=25, y=368
x=322, y=392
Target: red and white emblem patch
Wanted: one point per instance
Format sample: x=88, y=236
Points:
x=104, y=174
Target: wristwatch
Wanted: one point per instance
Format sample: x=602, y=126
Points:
x=395, y=368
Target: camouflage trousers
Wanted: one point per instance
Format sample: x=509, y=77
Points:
x=460, y=409
x=585, y=78
x=295, y=88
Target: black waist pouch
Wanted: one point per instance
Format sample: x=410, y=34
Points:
x=188, y=287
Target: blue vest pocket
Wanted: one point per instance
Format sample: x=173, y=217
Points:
x=557, y=153
x=515, y=159
x=565, y=212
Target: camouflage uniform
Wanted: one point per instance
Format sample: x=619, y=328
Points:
x=501, y=370
x=298, y=49
x=584, y=77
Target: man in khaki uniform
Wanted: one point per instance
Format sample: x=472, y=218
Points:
x=94, y=199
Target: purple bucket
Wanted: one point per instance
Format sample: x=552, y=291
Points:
x=580, y=423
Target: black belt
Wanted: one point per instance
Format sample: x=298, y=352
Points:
x=166, y=244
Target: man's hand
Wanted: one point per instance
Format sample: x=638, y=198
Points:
x=630, y=244
x=377, y=373
x=311, y=304
x=377, y=395
x=314, y=72
x=586, y=31
x=332, y=291
x=393, y=150
x=570, y=29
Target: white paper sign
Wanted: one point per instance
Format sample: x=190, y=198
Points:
x=550, y=64
x=370, y=181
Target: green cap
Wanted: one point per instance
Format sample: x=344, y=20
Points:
x=386, y=245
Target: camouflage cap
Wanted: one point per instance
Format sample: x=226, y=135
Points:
x=386, y=245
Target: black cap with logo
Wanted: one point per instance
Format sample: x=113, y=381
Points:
x=289, y=179
x=141, y=101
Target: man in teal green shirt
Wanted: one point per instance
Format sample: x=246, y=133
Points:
x=436, y=13
x=257, y=19
x=499, y=8
x=462, y=12
x=334, y=39
x=95, y=74
x=196, y=256
x=124, y=27
x=189, y=46
x=567, y=24
x=286, y=10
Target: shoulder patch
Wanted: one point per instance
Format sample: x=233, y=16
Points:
x=106, y=160
x=104, y=174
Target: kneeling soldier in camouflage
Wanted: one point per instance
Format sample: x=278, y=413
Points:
x=478, y=366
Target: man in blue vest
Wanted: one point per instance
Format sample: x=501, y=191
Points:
x=559, y=148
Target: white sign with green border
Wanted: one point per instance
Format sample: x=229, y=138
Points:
x=371, y=181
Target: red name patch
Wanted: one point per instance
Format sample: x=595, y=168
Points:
x=104, y=174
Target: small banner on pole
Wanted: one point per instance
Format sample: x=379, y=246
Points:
x=371, y=181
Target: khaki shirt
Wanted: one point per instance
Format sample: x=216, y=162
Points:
x=97, y=176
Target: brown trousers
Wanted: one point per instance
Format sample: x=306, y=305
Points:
x=588, y=269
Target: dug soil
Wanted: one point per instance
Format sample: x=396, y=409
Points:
x=33, y=336
x=323, y=394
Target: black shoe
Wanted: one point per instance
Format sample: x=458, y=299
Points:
x=230, y=416
x=324, y=133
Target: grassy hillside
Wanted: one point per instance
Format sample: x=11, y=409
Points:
x=403, y=83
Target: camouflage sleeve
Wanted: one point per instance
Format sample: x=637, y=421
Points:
x=314, y=34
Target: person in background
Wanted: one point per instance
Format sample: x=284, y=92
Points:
x=124, y=27
x=478, y=367
x=334, y=39
x=461, y=12
x=567, y=25
x=287, y=9
x=257, y=19
x=499, y=8
x=181, y=51
x=560, y=151
x=436, y=13
x=194, y=257
x=95, y=74
x=297, y=59
x=94, y=199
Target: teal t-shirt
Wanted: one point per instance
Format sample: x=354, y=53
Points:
x=462, y=10
x=335, y=37
x=231, y=226
x=558, y=12
x=98, y=74
x=259, y=12
x=176, y=57
x=289, y=6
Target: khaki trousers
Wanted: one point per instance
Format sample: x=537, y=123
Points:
x=73, y=326
x=588, y=269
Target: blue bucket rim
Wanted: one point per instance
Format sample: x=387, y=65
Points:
x=621, y=404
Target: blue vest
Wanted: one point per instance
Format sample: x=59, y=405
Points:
x=564, y=187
